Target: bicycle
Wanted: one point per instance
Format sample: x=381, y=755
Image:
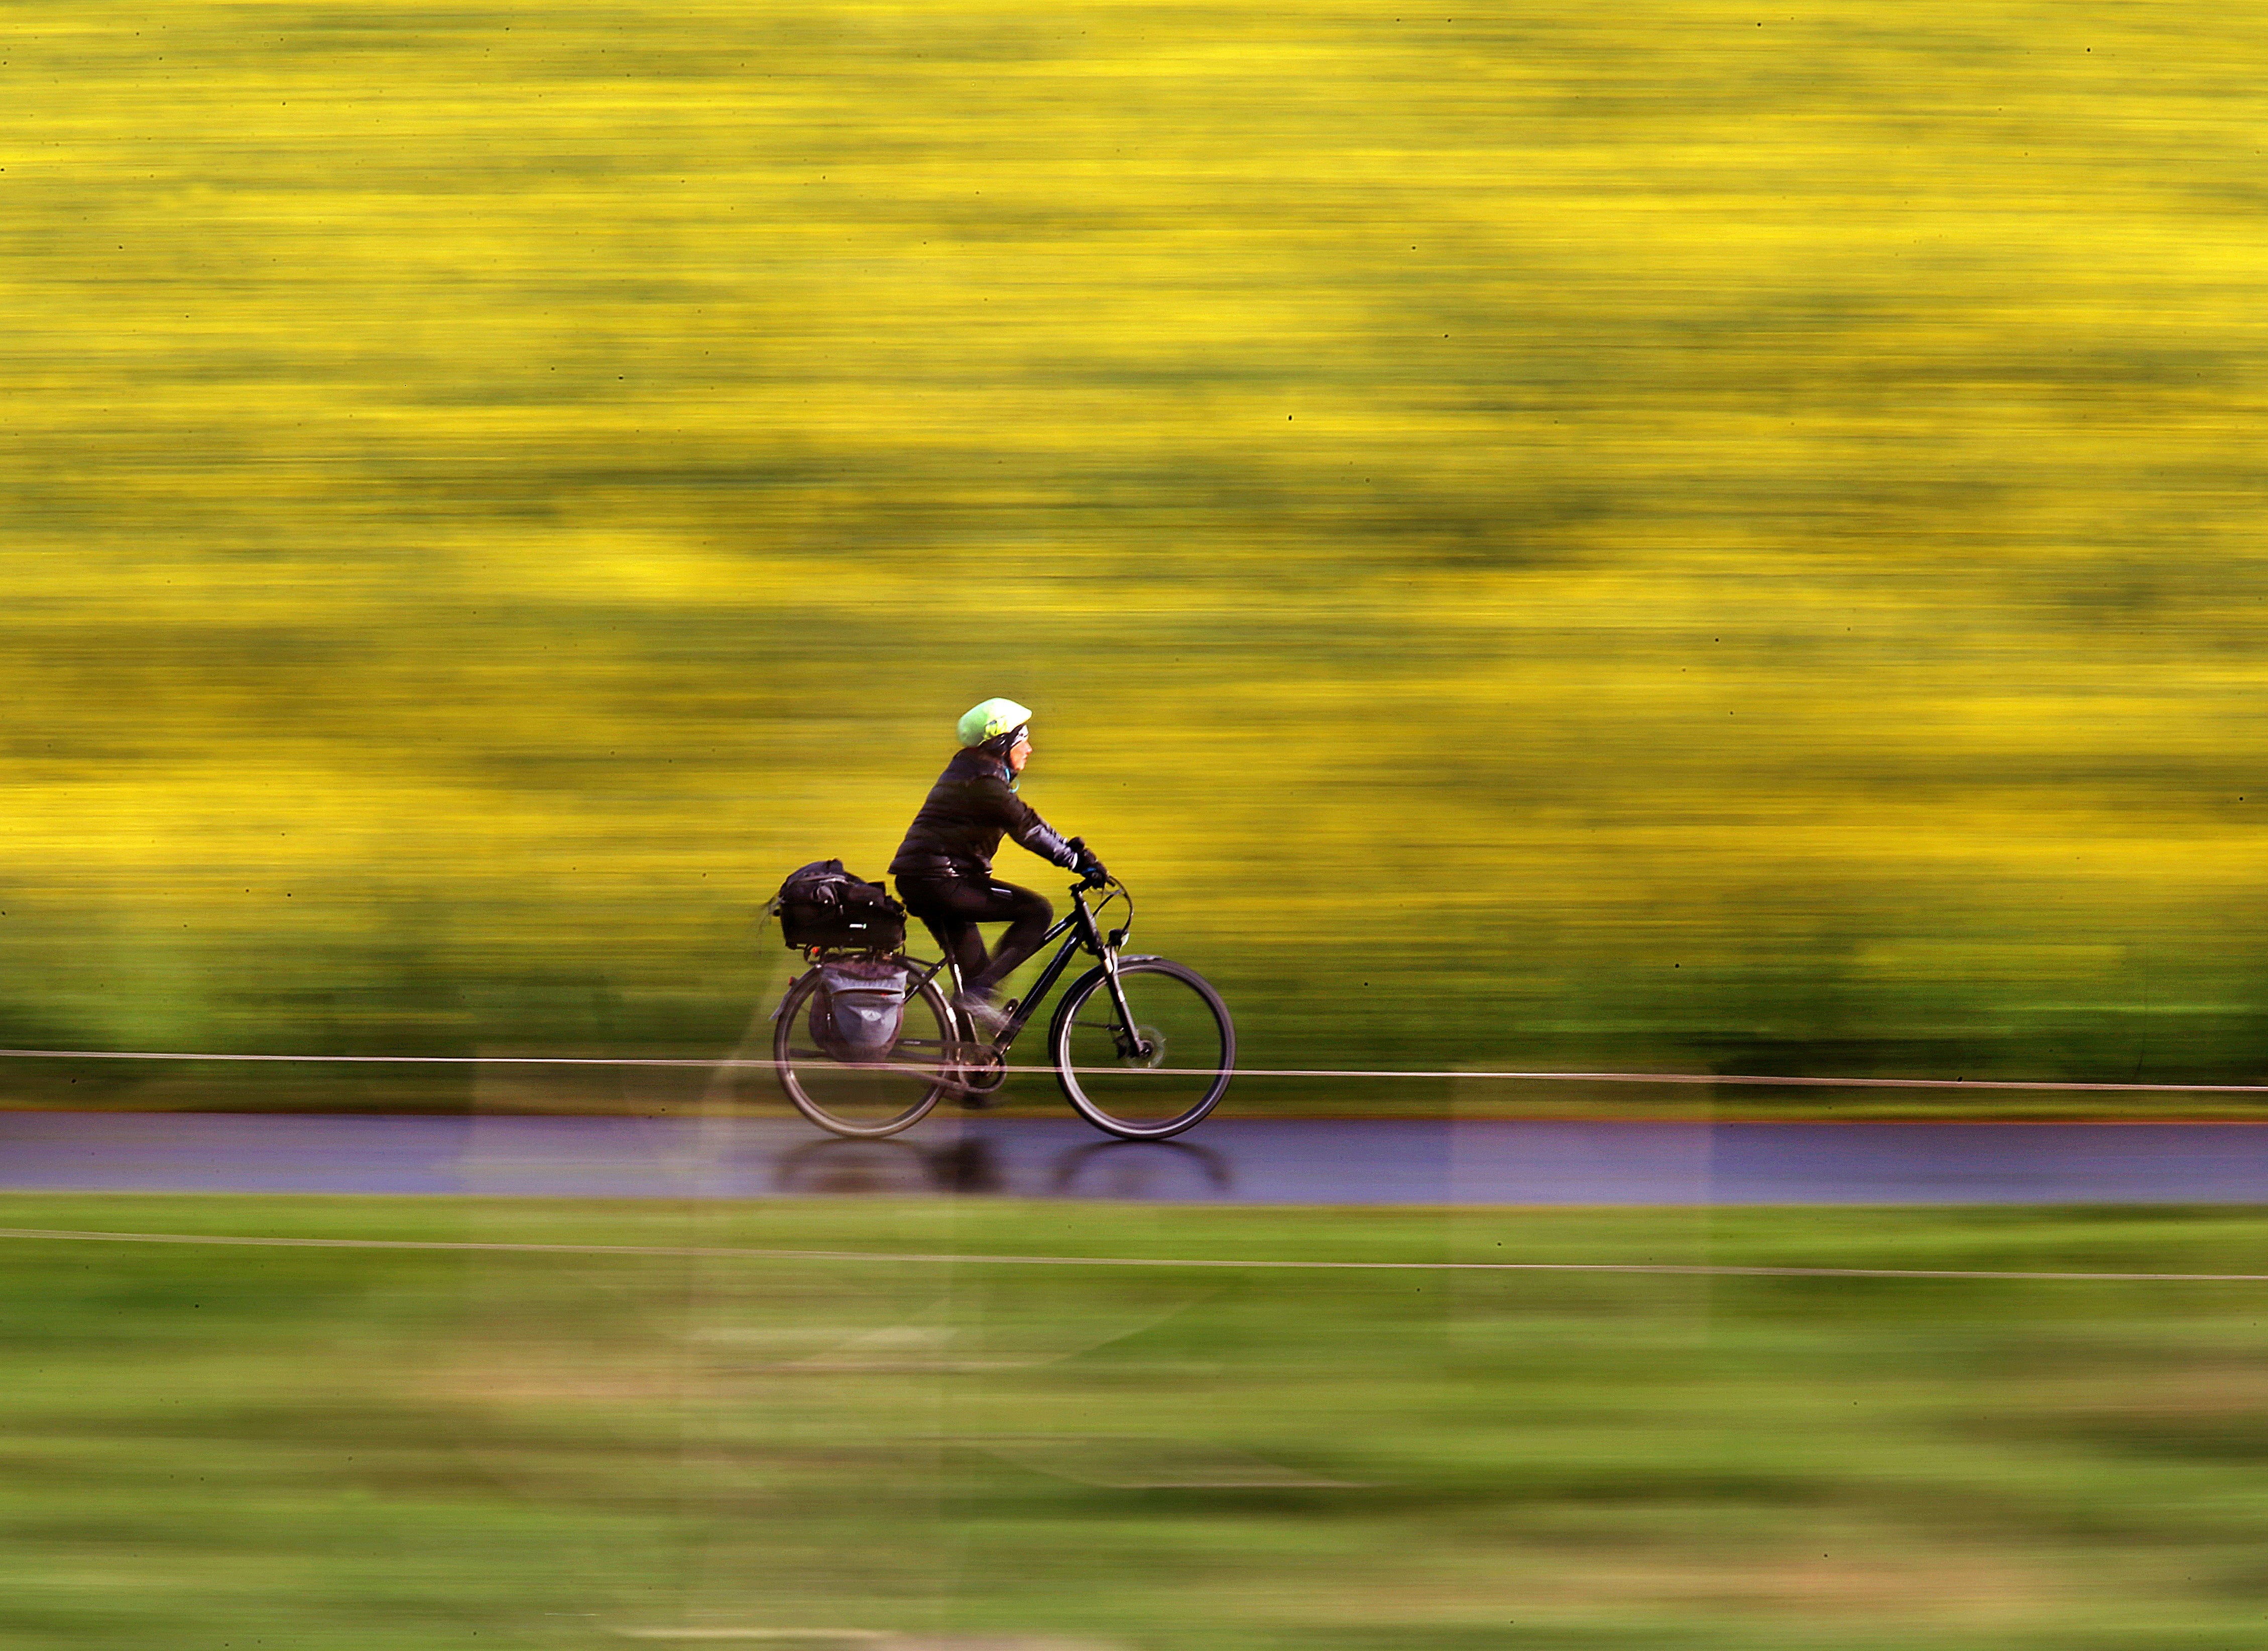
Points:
x=1142, y=1047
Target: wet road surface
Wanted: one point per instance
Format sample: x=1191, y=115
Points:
x=1251, y=1161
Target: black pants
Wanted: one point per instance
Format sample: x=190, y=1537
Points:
x=953, y=907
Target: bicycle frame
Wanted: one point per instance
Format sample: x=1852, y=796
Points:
x=1080, y=933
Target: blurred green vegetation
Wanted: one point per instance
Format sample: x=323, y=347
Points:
x=1673, y=536
x=377, y=1449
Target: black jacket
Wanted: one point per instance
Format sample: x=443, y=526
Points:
x=968, y=810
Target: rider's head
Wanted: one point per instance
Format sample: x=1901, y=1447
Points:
x=1001, y=728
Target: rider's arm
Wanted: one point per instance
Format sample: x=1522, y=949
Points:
x=1023, y=823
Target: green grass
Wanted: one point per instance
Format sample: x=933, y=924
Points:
x=231, y=1446
x=1670, y=536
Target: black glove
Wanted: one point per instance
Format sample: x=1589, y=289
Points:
x=1087, y=865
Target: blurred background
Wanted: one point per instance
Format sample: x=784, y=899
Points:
x=1673, y=538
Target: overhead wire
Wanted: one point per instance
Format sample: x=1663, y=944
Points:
x=948, y=1258
x=729, y=1062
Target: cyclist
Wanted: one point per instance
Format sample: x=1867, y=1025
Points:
x=944, y=866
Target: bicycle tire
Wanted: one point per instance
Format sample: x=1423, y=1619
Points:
x=864, y=1102
x=1187, y=1031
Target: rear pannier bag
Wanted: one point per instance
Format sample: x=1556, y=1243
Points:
x=858, y=1007
x=823, y=905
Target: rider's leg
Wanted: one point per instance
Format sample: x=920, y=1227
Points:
x=1028, y=916
x=958, y=940
x=953, y=908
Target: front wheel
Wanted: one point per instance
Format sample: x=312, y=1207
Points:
x=1153, y=1069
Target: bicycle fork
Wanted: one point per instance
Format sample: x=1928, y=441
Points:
x=1125, y=1034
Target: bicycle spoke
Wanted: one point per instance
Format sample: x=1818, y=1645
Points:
x=1156, y=1075
x=861, y=1097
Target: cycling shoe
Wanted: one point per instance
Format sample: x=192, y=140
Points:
x=987, y=1018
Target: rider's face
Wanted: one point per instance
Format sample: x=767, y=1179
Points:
x=1018, y=755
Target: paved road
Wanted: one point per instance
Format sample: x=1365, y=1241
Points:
x=1225, y=1161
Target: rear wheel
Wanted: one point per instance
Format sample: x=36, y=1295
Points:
x=1154, y=1070
x=865, y=1100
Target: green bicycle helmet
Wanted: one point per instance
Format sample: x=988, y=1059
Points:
x=991, y=720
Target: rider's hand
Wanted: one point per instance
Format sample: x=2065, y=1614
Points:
x=1082, y=861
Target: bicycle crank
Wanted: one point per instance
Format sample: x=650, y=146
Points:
x=979, y=1077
